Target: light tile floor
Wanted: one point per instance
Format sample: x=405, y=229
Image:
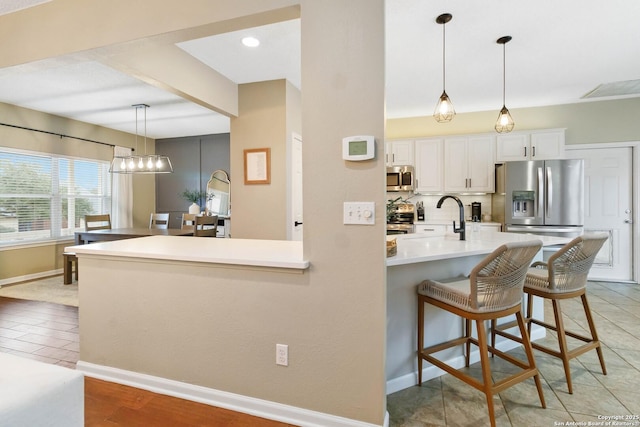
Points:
x=447, y=401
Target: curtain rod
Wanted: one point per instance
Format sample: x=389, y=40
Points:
x=57, y=134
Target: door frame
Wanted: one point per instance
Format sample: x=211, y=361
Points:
x=635, y=193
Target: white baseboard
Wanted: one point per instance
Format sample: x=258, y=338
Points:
x=430, y=372
x=28, y=277
x=222, y=399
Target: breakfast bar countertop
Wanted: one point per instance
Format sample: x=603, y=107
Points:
x=249, y=252
x=414, y=248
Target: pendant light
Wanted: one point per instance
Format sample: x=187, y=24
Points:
x=146, y=163
x=505, y=122
x=444, y=111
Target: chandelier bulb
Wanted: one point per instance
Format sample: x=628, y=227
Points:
x=150, y=163
x=159, y=163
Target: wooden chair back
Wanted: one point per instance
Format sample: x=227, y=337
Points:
x=159, y=220
x=97, y=222
x=188, y=221
x=205, y=226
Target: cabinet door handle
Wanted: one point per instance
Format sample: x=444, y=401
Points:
x=525, y=151
x=533, y=151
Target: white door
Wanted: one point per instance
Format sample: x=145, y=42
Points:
x=608, y=203
x=296, y=188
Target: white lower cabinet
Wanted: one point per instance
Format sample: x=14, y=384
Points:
x=438, y=230
x=431, y=229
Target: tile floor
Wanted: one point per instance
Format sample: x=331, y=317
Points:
x=447, y=401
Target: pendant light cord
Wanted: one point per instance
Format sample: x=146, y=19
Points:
x=504, y=74
x=145, y=130
x=444, y=44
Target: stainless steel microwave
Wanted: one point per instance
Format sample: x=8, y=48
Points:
x=400, y=178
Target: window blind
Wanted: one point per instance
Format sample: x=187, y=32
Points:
x=44, y=197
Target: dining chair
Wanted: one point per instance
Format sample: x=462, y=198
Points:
x=562, y=277
x=97, y=222
x=205, y=226
x=188, y=221
x=159, y=220
x=493, y=290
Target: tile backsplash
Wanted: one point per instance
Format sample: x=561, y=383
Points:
x=449, y=210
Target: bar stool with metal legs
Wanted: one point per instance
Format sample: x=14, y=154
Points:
x=564, y=276
x=492, y=291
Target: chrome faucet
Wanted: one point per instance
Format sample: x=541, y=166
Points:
x=461, y=206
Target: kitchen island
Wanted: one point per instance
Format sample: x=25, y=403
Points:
x=418, y=258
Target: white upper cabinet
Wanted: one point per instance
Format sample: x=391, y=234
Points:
x=399, y=153
x=534, y=145
x=469, y=164
x=429, y=162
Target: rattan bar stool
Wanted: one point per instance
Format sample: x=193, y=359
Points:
x=492, y=291
x=564, y=276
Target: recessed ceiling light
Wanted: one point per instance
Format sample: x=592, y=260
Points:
x=250, y=41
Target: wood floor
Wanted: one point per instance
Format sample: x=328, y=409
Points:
x=49, y=333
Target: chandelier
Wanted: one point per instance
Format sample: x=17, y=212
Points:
x=146, y=163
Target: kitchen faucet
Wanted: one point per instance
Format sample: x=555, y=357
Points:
x=461, y=206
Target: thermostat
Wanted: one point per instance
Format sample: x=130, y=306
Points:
x=357, y=148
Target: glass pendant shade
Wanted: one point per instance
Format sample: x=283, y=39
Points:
x=444, y=109
x=505, y=122
x=146, y=163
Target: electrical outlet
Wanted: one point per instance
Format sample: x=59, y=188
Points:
x=282, y=354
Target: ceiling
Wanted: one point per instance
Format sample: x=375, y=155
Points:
x=559, y=53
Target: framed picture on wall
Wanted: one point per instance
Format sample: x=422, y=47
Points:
x=257, y=166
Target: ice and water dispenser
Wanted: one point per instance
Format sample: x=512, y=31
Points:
x=523, y=204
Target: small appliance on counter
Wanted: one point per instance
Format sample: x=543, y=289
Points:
x=476, y=211
x=420, y=211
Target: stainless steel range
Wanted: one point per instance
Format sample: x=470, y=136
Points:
x=401, y=220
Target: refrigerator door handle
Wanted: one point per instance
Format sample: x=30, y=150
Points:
x=540, y=212
x=549, y=193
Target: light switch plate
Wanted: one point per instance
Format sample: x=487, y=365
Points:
x=360, y=213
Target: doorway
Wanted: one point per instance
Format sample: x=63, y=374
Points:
x=609, y=207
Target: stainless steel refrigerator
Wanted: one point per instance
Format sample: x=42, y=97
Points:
x=545, y=197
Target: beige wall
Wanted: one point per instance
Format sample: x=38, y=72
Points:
x=259, y=210
x=18, y=262
x=346, y=299
x=586, y=123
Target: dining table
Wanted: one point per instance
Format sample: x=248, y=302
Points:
x=105, y=235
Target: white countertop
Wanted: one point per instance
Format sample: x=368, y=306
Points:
x=445, y=222
x=263, y=253
x=414, y=248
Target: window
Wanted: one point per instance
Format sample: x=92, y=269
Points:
x=45, y=197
